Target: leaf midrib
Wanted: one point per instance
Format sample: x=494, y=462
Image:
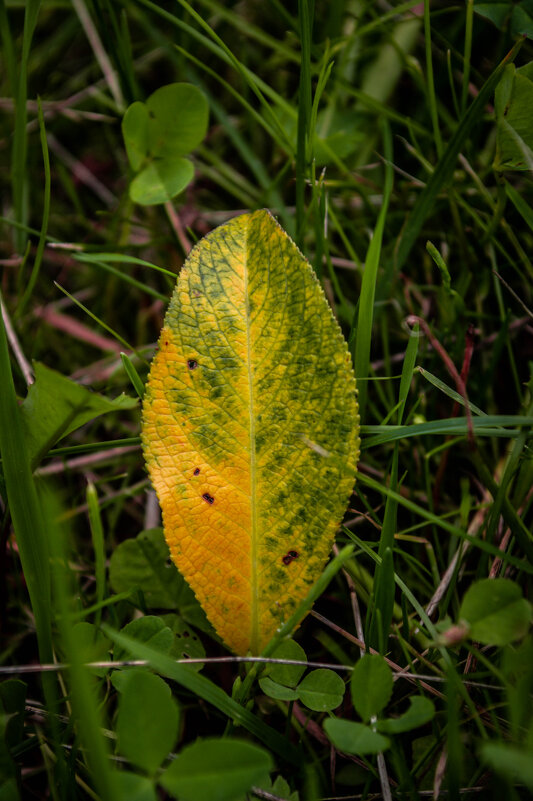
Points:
x=254, y=635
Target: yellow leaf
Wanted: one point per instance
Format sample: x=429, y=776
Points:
x=250, y=428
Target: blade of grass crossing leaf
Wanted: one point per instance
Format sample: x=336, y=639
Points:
x=304, y=135
x=204, y=688
x=97, y=534
x=83, y=697
x=362, y=332
x=296, y=618
x=445, y=167
x=133, y=375
x=20, y=134
x=46, y=214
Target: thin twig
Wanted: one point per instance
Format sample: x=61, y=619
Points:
x=177, y=227
x=396, y=668
x=23, y=363
x=99, y=52
x=82, y=462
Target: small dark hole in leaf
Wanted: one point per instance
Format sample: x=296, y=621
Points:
x=197, y=471
x=185, y=656
x=186, y=634
x=192, y=364
x=289, y=557
x=207, y=497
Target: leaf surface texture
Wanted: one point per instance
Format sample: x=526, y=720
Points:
x=250, y=427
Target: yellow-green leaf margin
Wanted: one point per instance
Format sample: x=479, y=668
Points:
x=250, y=428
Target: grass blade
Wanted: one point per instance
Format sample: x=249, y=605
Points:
x=445, y=167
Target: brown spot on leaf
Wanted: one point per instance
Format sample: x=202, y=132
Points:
x=207, y=497
x=289, y=557
x=192, y=364
x=196, y=471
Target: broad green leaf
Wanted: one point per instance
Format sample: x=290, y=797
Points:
x=177, y=119
x=495, y=611
x=135, y=133
x=516, y=16
x=421, y=710
x=250, y=428
x=161, y=180
x=275, y=690
x=150, y=630
x=509, y=761
x=55, y=406
x=144, y=562
x=371, y=685
x=514, y=117
x=147, y=721
x=289, y=675
x=354, y=738
x=321, y=690
x=133, y=787
x=186, y=643
x=216, y=769
x=157, y=135
x=281, y=789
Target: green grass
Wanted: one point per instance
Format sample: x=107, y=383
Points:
x=371, y=134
